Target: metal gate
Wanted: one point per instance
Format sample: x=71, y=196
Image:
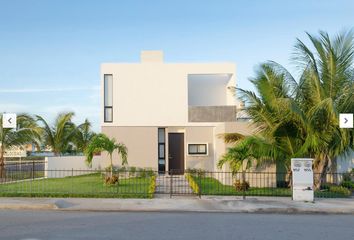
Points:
x=174, y=183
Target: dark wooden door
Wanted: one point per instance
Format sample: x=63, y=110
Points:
x=176, y=153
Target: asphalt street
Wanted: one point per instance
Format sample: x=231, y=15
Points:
x=148, y=225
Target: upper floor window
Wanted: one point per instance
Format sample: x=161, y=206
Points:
x=108, y=98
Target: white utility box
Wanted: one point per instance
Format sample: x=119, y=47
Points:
x=302, y=179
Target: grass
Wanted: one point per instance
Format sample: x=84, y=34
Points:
x=21, y=175
x=211, y=186
x=90, y=185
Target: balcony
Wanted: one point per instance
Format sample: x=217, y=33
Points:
x=226, y=113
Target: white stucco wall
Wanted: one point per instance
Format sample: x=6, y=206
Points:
x=63, y=166
x=156, y=93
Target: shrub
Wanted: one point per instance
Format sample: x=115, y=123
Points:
x=340, y=190
x=196, y=172
x=112, y=180
x=152, y=187
x=241, y=186
x=192, y=183
x=326, y=186
x=143, y=173
x=347, y=176
x=122, y=169
x=348, y=184
x=132, y=171
x=192, y=171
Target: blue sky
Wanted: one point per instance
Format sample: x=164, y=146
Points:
x=50, y=51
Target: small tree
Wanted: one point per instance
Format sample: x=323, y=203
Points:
x=27, y=132
x=60, y=134
x=83, y=136
x=100, y=143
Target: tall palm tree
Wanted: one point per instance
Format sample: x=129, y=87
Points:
x=270, y=109
x=27, y=132
x=83, y=136
x=61, y=134
x=100, y=143
x=300, y=118
x=326, y=89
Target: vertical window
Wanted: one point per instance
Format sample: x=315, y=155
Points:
x=108, y=98
x=161, y=149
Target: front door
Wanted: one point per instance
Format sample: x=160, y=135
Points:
x=176, y=153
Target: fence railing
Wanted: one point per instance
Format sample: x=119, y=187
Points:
x=31, y=179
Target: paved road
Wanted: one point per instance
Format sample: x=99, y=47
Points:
x=115, y=225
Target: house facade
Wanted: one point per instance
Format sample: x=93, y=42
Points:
x=170, y=115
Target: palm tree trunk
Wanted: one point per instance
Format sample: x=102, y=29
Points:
x=320, y=172
x=2, y=163
x=110, y=156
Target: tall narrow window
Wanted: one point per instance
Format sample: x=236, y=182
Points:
x=108, y=98
x=161, y=149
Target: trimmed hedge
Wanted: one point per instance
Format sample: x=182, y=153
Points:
x=152, y=187
x=192, y=183
x=340, y=190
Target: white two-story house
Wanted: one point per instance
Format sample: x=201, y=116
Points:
x=170, y=115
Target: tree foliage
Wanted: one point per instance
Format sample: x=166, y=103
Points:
x=299, y=117
x=100, y=143
x=64, y=136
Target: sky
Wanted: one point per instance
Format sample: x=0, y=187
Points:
x=51, y=51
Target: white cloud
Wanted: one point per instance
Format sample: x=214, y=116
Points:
x=37, y=90
x=13, y=107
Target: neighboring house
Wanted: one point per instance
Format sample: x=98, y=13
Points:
x=170, y=115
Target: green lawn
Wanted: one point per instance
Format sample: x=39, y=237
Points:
x=91, y=185
x=211, y=186
x=21, y=175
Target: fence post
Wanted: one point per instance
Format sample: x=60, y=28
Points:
x=200, y=183
x=171, y=176
x=242, y=185
x=32, y=169
x=72, y=184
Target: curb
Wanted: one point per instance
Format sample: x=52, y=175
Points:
x=29, y=206
x=54, y=207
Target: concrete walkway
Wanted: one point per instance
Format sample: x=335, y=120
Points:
x=206, y=204
x=180, y=185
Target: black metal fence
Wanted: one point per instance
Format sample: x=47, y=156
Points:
x=31, y=179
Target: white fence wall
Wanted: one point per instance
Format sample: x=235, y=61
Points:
x=63, y=166
x=345, y=162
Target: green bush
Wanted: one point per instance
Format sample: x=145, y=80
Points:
x=196, y=172
x=340, y=190
x=192, y=183
x=143, y=173
x=348, y=184
x=132, y=171
x=347, y=176
x=326, y=186
x=152, y=187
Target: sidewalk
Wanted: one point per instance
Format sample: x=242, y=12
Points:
x=176, y=204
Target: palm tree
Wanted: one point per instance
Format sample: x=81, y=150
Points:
x=271, y=114
x=27, y=132
x=83, y=136
x=326, y=89
x=61, y=134
x=100, y=143
x=300, y=118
